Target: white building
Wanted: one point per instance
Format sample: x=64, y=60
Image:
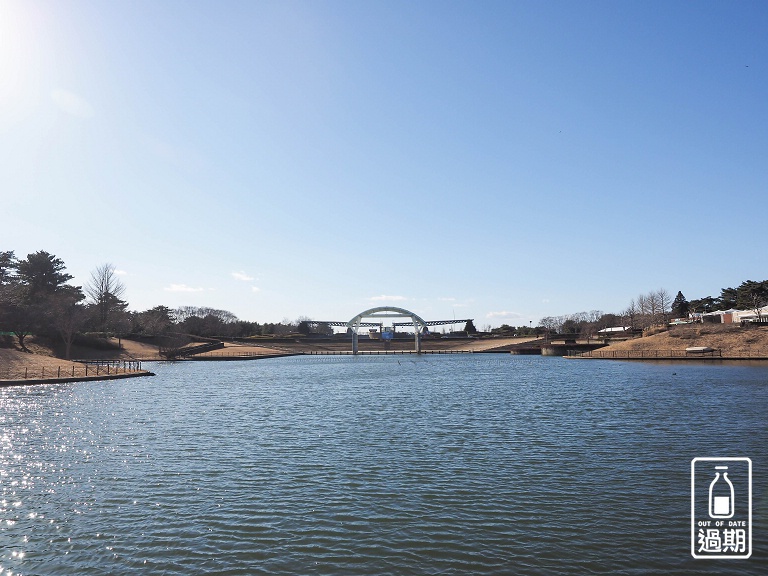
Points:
x=731, y=316
x=750, y=315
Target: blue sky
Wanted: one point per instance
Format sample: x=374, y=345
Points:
x=501, y=161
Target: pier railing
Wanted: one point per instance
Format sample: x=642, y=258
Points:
x=82, y=369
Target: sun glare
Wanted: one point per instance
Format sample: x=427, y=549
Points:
x=19, y=60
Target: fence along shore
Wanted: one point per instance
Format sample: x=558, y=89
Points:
x=76, y=369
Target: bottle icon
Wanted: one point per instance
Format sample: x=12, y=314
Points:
x=721, y=495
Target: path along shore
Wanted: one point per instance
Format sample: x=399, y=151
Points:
x=19, y=368
x=728, y=342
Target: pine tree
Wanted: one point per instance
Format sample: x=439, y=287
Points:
x=680, y=306
x=42, y=274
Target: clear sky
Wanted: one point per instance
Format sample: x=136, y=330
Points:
x=501, y=161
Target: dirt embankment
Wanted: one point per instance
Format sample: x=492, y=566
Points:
x=731, y=339
x=16, y=364
x=323, y=346
x=40, y=360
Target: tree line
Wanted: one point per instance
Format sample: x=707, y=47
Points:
x=749, y=295
x=657, y=307
x=36, y=298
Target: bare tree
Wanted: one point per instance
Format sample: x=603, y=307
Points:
x=665, y=303
x=642, y=305
x=648, y=309
x=654, y=308
x=67, y=316
x=181, y=313
x=595, y=315
x=104, y=291
x=551, y=323
x=631, y=313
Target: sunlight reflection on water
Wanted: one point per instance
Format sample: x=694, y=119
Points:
x=414, y=465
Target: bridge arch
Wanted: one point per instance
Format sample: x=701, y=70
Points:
x=419, y=325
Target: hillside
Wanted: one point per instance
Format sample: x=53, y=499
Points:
x=732, y=340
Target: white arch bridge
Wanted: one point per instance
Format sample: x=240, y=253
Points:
x=420, y=326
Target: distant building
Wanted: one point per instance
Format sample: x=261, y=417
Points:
x=620, y=332
x=615, y=330
x=750, y=315
x=731, y=316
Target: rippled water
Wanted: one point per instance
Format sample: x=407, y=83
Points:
x=481, y=464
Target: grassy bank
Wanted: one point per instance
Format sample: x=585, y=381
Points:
x=730, y=339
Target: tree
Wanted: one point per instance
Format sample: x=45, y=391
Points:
x=207, y=322
x=642, y=305
x=155, y=321
x=728, y=299
x=67, y=315
x=8, y=285
x=27, y=298
x=8, y=265
x=595, y=316
x=664, y=301
x=703, y=305
x=753, y=295
x=631, y=312
x=469, y=327
x=609, y=321
x=303, y=328
x=22, y=318
x=680, y=306
x=104, y=291
x=42, y=274
x=653, y=306
x=324, y=328
x=550, y=323
x=503, y=330
x=267, y=329
x=570, y=326
x=648, y=309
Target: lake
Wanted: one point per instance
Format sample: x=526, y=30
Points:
x=461, y=464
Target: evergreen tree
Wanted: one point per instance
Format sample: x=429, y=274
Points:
x=701, y=305
x=8, y=265
x=728, y=299
x=680, y=306
x=752, y=295
x=469, y=327
x=304, y=328
x=42, y=274
x=8, y=286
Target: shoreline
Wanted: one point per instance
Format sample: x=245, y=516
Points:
x=61, y=380
x=675, y=358
x=728, y=344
